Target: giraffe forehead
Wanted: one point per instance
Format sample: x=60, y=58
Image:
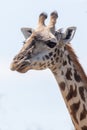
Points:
x=43, y=35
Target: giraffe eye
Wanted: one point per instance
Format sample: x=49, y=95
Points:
x=50, y=44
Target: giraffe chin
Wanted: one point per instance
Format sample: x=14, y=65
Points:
x=23, y=69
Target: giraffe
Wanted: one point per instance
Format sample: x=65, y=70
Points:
x=45, y=47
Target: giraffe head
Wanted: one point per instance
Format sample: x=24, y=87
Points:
x=40, y=50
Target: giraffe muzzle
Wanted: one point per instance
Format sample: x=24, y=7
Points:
x=21, y=61
x=20, y=66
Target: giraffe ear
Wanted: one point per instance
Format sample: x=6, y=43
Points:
x=27, y=32
x=68, y=35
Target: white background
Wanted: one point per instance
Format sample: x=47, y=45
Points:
x=32, y=101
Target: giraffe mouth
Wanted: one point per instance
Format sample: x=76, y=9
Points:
x=21, y=66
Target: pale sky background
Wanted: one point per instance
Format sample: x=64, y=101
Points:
x=32, y=101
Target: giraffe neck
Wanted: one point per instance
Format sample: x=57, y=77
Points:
x=71, y=80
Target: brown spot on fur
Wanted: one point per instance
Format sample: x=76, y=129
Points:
x=84, y=128
x=54, y=69
x=50, y=54
x=72, y=93
x=81, y=92
x=64, y=63
x=51, y=59
x=68, y=74
x=54, y=55
x=62, y=86
x=55, y=49
x=58, y=52
x=74, y=108
x=42, y=65
x=83, y=113
x=52, y=62
x=47, y=57
x=69, y=59
x=77, y=76
x=57, y=59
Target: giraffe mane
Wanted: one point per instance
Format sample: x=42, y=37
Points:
x=77, y=64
